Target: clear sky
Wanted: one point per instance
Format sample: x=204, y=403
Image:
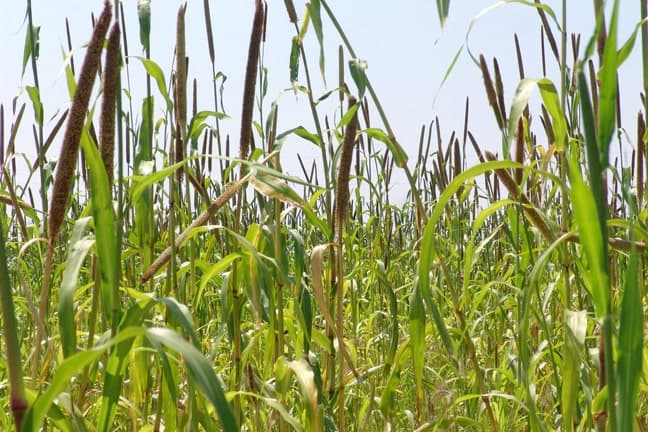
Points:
x=406, y=51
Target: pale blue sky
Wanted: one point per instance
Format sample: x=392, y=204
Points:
x=402, y=42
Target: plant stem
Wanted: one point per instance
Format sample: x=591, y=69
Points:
x=10, y=329
x=420, y=211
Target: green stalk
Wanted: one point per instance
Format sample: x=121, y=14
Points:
x=144, y=12
x=569, y=382
x=18, y=402
x=644, y=51
x=39, y=144
x=342, y=198
x=247, y=110
x=596, y=186
x=119, y=228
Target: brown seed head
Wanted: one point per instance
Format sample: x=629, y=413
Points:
x=292, y=13
x=342, y=195
x=250, y=81
x=111, y=81
x=519, y=150
x=180, y=88
x=67, y=160
x=208, y=25
x=491, y=94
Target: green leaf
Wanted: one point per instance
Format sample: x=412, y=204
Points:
x=303, y=133
x=142, y=184
x=574, y=338
x=276, y=406
x=201, y=371
x=396, y=150
x=116, y=363
x=271, y=186
x=218, y=268
x=625, y=51
x=551, y=102
x=197, y=123
x=144, y=205
x=144, y=15
x=594, y=159
x=630, y=349
x=306, y=379
x=417, y=338
x=156, y=72
x=27, y=50
x=295, y=49
x=448, y=72
x=592, y=241
x=358, y=68
x=502, y=3
x=443, y=7
x=64, y=372
x=104, y=226
x=348, y=116
x=387, y=402
x=182, y=315
x=470, y=254
x=77, y=252
x=198, y=366
x=428, y=243
x=34, y=96
x=316, y=18
x=608, y=93
x=70, y=80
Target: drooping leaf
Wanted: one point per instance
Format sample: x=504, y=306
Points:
x=551, y=102
x=314, y=8
x=197, y=123
x=443, y=8
x=357, y=68
x=399, y=155
x=156, y=72
x=34, y=96
x=27, y=51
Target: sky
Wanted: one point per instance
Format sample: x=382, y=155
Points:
x=403, y=44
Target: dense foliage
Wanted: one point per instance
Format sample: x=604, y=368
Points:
x=159, y=280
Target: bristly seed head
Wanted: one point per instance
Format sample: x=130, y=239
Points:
x=250, y=81
x=111, y=81
x=490, y=91
x=67, y=160
x=342, y=192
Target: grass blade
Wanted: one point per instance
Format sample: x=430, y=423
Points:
x=630, y=349
x=79, y=247
x=104, y=226
x=10, y=330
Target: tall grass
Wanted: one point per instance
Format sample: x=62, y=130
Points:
x=179, y=293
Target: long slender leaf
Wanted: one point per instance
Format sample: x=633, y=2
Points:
x=79, y=248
